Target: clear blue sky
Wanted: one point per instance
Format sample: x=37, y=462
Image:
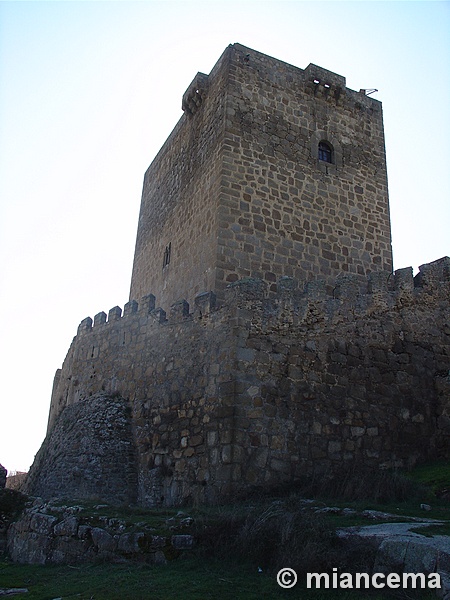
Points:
x=89, y=91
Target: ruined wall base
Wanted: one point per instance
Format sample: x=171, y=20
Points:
x=89, y=454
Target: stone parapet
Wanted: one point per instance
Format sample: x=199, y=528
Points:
x=378, y=292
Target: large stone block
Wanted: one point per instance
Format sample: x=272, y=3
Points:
x=103, y=541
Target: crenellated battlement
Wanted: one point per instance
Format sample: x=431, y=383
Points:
x=350, y=295
x=204, y=304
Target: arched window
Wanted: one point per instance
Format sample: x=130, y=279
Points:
x=325, y=152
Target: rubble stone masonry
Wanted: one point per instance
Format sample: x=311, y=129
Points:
x=260, y=391
x=239, y=189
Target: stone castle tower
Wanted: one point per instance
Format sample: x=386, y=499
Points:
x=272, y=171
x=266, y=336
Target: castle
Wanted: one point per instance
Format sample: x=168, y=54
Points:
x=266, y=336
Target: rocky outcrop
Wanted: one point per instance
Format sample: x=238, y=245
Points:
x=51, y=534
x=401, y=550
x=407, y=554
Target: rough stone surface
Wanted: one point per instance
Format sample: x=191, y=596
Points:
x=16, y=480
x=103, y=541
x=182, y=542
x=238, y=189
x=68, y=527
x=129, y=542
x=90, y=454
x=400, y=550
x=39, y=537
x=259, y=392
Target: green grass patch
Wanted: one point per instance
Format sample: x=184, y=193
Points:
x=436, y=476
x=187, y=579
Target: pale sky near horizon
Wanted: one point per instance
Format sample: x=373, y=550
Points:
x=89, y=91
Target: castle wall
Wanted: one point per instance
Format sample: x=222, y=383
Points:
x=266, y=388
x=90, y=454
x=282, y=210
x=355, y=378
x=170, y=373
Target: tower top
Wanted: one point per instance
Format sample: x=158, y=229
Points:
x=271, y=171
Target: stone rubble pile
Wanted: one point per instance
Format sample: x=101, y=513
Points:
x=50, y=534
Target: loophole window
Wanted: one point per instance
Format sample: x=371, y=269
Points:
x=167, y=252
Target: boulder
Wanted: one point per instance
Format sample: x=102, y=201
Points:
x=398, y=549
x=103, y=540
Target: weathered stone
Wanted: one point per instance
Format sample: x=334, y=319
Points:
x=84, y=532
x=16, y=481
x=159, y=558
x=409, y=554
x=399, y=550
x=68, y=527
x=41, y=523
x=28, y=547
x=129, y=543
x=182, y=542
x=66, y=549
x=103, y=540
x=81, y=454
x=158, y=541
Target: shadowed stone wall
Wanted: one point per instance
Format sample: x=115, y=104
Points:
x=260, y=391
x=89, y=453
x=176, y=239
